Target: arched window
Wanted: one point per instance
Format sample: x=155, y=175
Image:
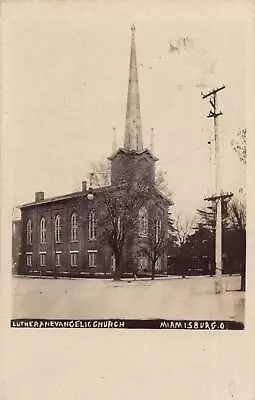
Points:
x=92, y=225
x=43, y=230
x=118, y=226
x=142, y=260
x=143, y=222
x=113, y=263
x=58, y=229
x=158, y=264
x=29, y=231
x=158, y=230
x=74, y=227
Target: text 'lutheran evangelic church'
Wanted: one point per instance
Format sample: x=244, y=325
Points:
x=64, y=234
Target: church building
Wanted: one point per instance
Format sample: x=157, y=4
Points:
x=98, y=229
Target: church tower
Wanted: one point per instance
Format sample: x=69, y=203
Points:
x=133, y=161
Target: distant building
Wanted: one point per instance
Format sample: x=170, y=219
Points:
x=63, y=235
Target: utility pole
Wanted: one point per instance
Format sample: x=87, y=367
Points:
x=218, y=195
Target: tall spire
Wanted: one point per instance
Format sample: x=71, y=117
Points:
x=133, y=130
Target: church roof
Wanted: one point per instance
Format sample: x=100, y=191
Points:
x=72, y=195
x=123, y=150
x=53, y=199
x=81, y=194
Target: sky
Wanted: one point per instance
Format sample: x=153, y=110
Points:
x=65, y=78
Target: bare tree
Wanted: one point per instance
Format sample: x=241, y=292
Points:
x=119, y=209
x=183, y=228
x=237, y=214
x=100, y=174
x=237, y=225
x=157, y=239
x=238, y=208
x=119, y=214
x=161, y=183
x=117, y=220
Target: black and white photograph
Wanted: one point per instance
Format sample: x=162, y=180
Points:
x=129, y=159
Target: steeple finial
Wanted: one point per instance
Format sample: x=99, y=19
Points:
x=133, y=130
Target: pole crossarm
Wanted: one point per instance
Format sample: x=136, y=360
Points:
x=212, y=92
x=214, y=114
x=221, y=196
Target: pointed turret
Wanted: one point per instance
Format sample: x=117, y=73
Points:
x=114, y=141
x=152, y=141
x=133, y=130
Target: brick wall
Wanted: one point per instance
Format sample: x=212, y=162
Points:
x=82, y=246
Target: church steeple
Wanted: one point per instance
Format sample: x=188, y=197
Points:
x=133, y=131
x=133, y=156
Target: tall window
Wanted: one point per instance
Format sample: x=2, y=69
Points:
x=158, y=229
x=92, y=225
x=42, y=259
x=113, y=263
x=74, y=259
x=58, y=229
x=92, y=258
x=29, y=231
x=29, y=260
x=118, y=225
x=158, y=264
x=74, y=227
x=58, y=259
x=43, y=230
x=143, y=222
